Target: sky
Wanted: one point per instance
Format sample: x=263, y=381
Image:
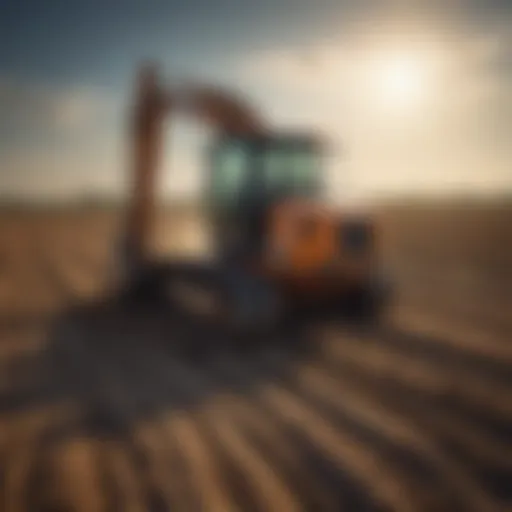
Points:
x=414, y=97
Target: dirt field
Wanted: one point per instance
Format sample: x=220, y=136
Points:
x=107, y=408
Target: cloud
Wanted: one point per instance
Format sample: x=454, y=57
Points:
x=71, y=134
x=32, y=109
x=55, y=140
x=70, y=141
x=455, y=137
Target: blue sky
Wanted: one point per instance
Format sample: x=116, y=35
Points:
x=66, y=68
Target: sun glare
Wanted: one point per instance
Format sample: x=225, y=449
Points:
x=401, y=81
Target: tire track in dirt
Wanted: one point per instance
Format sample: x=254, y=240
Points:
x=320, y=409
x=482, y=394
x=387, y=427
x=475, y=444
x=402, y=417
x=465, y=339
x=489, y=306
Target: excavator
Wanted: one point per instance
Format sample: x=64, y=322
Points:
x=278, y=247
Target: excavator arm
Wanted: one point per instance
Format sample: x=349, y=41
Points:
x=153, y=104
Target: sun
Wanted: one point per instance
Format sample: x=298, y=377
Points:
x=401, y=81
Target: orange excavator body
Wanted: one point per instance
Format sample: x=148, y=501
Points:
x=306, y=249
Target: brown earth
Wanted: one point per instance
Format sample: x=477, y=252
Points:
x=108, y=408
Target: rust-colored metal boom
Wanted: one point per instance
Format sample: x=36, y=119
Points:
x=223, y=109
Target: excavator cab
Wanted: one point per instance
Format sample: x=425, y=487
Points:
x=250, y=174
x=259, y=169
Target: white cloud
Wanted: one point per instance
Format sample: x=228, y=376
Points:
x=454, y=137
x=457, y=135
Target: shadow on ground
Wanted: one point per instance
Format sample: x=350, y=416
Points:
x=123, y=367
x=121, y=363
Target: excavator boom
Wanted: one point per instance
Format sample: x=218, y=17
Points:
x=228, y=113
